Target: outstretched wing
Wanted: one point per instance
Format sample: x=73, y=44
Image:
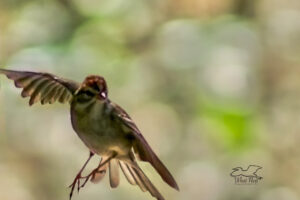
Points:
x=142, y=148
x=43, y=87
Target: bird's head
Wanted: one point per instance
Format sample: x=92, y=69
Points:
x=93, y=87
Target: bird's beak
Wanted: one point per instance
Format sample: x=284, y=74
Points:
x=102, y=95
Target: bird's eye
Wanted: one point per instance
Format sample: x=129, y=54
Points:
x=95, y=87
x=89, y=93
x=84, y=96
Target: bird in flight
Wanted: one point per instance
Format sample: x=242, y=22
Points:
x=103, y=126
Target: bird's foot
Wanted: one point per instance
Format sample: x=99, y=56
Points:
x=76, y=182
x=90, y=175
x=87, y=178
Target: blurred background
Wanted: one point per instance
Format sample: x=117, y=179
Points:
x=212, y=85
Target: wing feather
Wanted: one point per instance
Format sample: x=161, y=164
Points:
x=46, y=95
x=142, y=148
x=43, y=87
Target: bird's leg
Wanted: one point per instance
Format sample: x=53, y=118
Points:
x=78, y=176
x=96, y=170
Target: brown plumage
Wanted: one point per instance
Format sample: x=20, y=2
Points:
x=104, y=127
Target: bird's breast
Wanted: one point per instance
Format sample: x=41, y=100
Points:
x=99, y=132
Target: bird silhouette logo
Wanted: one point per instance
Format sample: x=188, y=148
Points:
x=246, y=176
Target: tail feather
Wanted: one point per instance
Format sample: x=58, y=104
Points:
x=136, y=176
x=137, y=179
x=147, y=183
x=145, y=153
x=114, y=176
x=127, y=173
x=133, y=174
x=114, y=173
x=97, y=177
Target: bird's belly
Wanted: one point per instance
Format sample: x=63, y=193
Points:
x=99, y=134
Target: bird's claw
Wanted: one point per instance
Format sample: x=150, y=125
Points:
x=85, y=181
x=76, y=182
